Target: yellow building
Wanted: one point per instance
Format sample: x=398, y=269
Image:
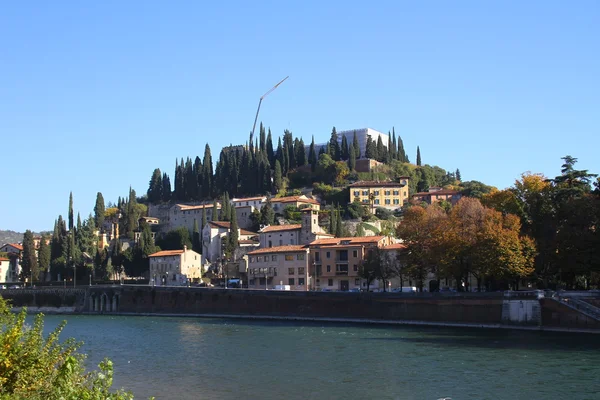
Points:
x=390, y=195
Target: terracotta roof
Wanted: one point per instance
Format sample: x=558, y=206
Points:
x=249, y=199
x=15, y=245
x=437, y=192
x=186, y=207
x=4, y=259
x=279, y=249
x=349, y=240
x=165, y=253
x=227, y=225
x=376, y=184
x=294, y=199
x=395, y=246
x=281, y=228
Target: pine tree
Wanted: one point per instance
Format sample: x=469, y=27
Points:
x=352, y=160
x=457, y=175
x=207, y=173
x=339, y=232
x=277, y=180
x=29, y=265
x=44, y=255
x=345, y=155
x=312, y=155
x=356, y=145
x=369, y=153
x=233, y=242
x=225, y=207
x=267, y=215
x=401, y=152
x=99, y=210
x=215, y=211
x=332, y=221
x=196, y=243
x=334, y=146
x=71, y=221
x=204, y=221
x=418, y=156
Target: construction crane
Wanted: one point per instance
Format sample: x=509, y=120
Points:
x=259, y=103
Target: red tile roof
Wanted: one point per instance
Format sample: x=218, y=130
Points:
x=15, y=245
x=243, y=241
x=279, y=249
x=186, y=207
x=227, y=225
x=294, y=199
x=376, y=184
x=437, y=192
x=281, y=228
x=349, y=240
x=395, y=246
x=249, y=199
x=4, y=259
x=166, y=253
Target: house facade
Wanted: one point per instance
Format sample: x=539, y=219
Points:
x=435, y=194
x=294, y=234
x=280, y=203
x=389, y=195
x=281, y=265
x=4, y=270
x=11, y=270
x=256, y=202
x=335, y=262
x=175, y=267
x=214, y=235
x=184, y=215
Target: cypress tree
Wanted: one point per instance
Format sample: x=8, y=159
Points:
x=71, y=211
x=339, y=232
x=155, y=187
x=380, y=150
x=390, y=149
x=457, y=175
x=370, y=148
x=360, y=231
x=263, y=139
x=267, y=215
x=215, y=211
x=99, y=210
x=207, y=173
x=280, y=155
x=352, y=160
x=312, y=155
x=401, y=153
x=394, y=144
x=29, y=264
x=277, y=179
x=197, y=177
x=204, y=221
x=270, y=154
x=44, y=255
x=332, y=222
x=233, y=241
x=196, y=243
x=300, y=154
x=356, y=145
x=166, y=189
x=418, y=156
x=344, y=150
x=131, y=214
x=225, y=207
x=334, y=146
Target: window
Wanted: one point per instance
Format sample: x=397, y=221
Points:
x=270, y=244
x=357, y=282
x=376, y=193
x=376, y=201
x=317, y=256
x=274, y=271
x=342, y=268
x=356, y=193
x=354, y=253
x=396, y=201
x=251, y=259
x=290, y=271
x=387, y=192
x=300, y=257
x=387, y=201
x=301, y=271
x=280, y=242
x=330, y=282
x=273, y=258
x=259, y=259
x=329, y=268
x=291, y=281
x=365, y=192
x=328, y=254
x=355, y=267
x=301, y=281
x=289, y=257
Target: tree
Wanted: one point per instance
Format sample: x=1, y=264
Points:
x=225, y=207
x=166, y=187
x=155, y=187
x=267, y=215
x=44, y=255
x=215, y=211
x=277, y=178
x=356, y=145
x=71, y=221
x=352, y=158
x=371, y=148
x=381, y=151
x=232, y=240
x=29, y=265
x=384, y=269
x=175, y=239
x=196, y=238
x=334, y=146
x=360, y=231
x=36, y=365
x=204, y=221
x=207, y=173
x=99, y=210
x=368, y=267
x=312, y=156
x=457, y=175
x=339, y=230
x=344, y=150
x=418, y=156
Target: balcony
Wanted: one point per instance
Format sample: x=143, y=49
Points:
x=341, y=273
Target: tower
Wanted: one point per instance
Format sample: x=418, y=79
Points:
x=310, y=225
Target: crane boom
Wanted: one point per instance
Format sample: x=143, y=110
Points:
x=260, y=102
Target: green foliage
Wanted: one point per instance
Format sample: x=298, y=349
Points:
x=175, y=239
x=356, y=210
x=99, y=210
x=384, y=213
x=475, y=189
x=292, y=214
x=267, y=214
x=29, y=264
x=370, y=227
x=418, y=156
x=360, y=231
x=38, y=367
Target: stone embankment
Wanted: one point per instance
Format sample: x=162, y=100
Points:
x=533, y=310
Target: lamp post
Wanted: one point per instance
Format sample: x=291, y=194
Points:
x=74, y=273
x=90, y=279
x=65, y=282
x=167, y=280
x=154, y=280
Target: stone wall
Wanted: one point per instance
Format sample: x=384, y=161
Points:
x=558, y=315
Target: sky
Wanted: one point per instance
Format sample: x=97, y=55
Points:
x=95, y=95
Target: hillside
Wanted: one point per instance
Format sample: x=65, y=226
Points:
x=12, y=237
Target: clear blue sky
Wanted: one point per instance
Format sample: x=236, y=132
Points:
x=95, y=95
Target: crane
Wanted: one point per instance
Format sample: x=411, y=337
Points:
x=259, y=103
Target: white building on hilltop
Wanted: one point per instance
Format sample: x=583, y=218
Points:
x=361, y=135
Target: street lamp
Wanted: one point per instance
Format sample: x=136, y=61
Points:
x=154, y=280
x=90, y=279
x=167, y=280
x=74, y=273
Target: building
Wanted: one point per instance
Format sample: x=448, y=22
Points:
x=243, y=214
x=390, y=195
x=175, y=267
x=294, y=234
x=435, y=194
x=213, y=239
x=335, y=262
x=280, y=203
x=12, y=248
x=12, y=270
x=256, y=202
x=281, y=265
x=184, y=215
x=5, y=270
x=362, y=135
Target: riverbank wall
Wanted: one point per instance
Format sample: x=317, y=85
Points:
x=524, y=310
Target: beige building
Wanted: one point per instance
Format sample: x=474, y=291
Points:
x=5, y=270
x=214, y=235
x=390, y=195
x=256, y=202
x=335, y=262
x=184, y=215
x=175, y=267
x=281, y=265
x=280, y=203
x=294, y=234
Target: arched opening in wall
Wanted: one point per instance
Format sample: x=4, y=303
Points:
x=116, y=300
x=103, y=302
x=92, y=303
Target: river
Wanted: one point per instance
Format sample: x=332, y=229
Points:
x=186, y=358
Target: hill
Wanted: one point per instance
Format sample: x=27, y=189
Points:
x=13, y=237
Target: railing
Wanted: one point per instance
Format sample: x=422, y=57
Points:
x=581, y=306
x=341, y=273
